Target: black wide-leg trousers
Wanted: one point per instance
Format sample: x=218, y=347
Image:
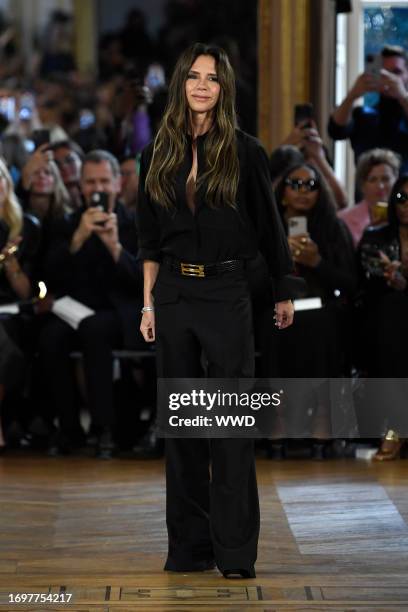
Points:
x=212, y=506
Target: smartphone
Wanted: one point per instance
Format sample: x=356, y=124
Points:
x=155, y=78
x=27, y=104
x=380, y=212
x=41, y=137
x=297, y=226
x=373, y=65
x=100, y=198
x=8, y=108
x=304, y=113
x=86, y=119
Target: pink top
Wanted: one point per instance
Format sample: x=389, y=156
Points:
x=357, y=219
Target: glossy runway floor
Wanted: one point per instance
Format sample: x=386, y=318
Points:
x=334, y=537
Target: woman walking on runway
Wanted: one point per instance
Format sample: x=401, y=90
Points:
x=205, y=211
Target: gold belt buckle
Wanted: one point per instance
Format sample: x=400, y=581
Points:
x=192, y=269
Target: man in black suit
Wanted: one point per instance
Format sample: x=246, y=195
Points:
x=93, y=260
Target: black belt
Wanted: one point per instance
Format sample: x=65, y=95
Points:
x=202, y=270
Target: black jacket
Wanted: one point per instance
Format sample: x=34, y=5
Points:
x=92, y=277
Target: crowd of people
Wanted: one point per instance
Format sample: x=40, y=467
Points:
x=61, y=147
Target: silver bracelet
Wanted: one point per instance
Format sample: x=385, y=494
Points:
x=147, y=309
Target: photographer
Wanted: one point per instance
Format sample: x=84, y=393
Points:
x=384, y=125
x=93, y=260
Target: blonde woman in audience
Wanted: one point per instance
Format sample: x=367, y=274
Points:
x=19, y=235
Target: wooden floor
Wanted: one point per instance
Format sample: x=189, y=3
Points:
x=334, y=537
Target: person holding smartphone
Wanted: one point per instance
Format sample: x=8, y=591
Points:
x=383, y=263
x=93, y=260
x=384, y=125
x=205, y=208
x=314, y=346
x=376, y=172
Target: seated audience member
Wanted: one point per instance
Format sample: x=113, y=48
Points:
x=314, y=346
x=384, y=125
x=68, y=157
x=44, y=196
x=130, y=181
x=19, y=236
x=93, y=260
x=306, y=138
x=377, y=171
x=383, y=259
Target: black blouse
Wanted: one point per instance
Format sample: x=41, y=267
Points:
x=218, y=234
x=373, y=285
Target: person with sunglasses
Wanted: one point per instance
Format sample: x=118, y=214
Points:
x=383, y=262
x=314, y=346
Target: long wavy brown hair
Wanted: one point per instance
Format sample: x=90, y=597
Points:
x=221, y=174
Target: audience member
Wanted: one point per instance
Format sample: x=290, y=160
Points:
x=315, y=346
x=93, y=260
x=376, y=173
x=18, y=243
x=284, y=157
x=384, y=125
x=68, y=156
x=383, y=258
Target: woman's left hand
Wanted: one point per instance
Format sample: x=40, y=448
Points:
x=392, y=273
x=304, y=251
x=284, y=312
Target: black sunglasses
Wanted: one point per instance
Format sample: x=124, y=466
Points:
x=297, y=184
x=401, y=197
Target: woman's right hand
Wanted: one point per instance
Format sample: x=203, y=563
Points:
x=147, y=326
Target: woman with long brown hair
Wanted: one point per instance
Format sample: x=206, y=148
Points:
x=205, y=210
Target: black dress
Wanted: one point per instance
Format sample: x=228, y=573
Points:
x=314, y=345
x=218, y=518
x=383, y=334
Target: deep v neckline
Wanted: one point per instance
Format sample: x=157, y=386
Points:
x=191, y=180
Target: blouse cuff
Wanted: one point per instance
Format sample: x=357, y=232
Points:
x=289, y=287
x=150, y=254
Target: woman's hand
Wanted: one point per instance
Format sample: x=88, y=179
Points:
x=392, y=273
x=8, y=253
x=284, y=312
x=147, y=326
x=304, y=250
